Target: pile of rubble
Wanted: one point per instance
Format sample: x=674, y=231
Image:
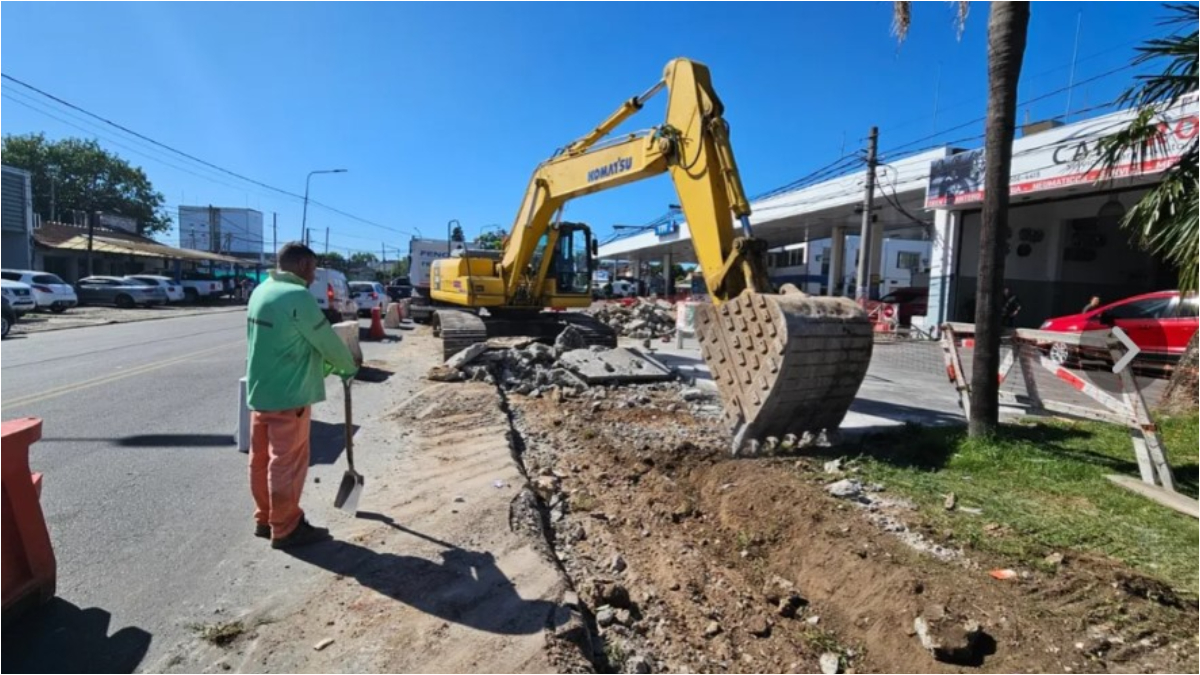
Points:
x=524, y=366
x=642, y=319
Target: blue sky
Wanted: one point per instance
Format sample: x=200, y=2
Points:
x=442, y=111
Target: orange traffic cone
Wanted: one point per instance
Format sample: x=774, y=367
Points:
x=376, y=333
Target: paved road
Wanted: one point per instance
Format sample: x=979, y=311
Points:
x=145, y=495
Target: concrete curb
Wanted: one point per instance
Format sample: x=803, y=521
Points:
x=50, y=329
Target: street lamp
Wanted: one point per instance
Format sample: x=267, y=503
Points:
x=304, y=220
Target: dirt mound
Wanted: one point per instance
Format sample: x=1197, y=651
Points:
x=691, y=560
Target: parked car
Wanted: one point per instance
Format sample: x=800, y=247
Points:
x=332, y=292
x=399, y=289
x=173, y=288
x=10, y=318
x=1160, y=323
x=903, y=303
x=49, y=291
x=19, y=296
x=368, y=294
x=201, y=286
x=119, y=291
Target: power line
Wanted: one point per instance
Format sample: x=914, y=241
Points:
x=194, y=158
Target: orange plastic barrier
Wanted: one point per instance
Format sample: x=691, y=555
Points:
x=28, y=567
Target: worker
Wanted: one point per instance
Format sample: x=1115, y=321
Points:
x=1010, y=308
x=291, y=349
x=1092, y=304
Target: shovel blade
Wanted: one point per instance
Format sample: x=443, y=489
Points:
x=349, y=492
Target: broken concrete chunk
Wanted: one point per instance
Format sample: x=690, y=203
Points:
x=712, y=630
x=693, y=394
x=847, y=488
x=833, y=466
x=831, y=663
x=950, y=638
x=465, y=356
x=445, y=374
x=618, y=563
x=612, y=366
x=605, y=616
x=570, y=338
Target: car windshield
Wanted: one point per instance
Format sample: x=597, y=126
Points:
x=147, y=281
x=47, y=279
x=362, y=288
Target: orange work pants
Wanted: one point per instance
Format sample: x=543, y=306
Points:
x=279, y=453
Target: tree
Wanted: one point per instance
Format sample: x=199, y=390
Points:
x=1008, y=24
x=1165, y=218
x=457, y=234
x=489, y=241
x=335, y=261
x=77, y=174
x=363, y=259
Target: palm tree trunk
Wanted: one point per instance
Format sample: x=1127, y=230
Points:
x=1181, y=393
x=1007, y=26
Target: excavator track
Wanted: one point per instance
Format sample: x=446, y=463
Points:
x=785, y=363
x=460, y=329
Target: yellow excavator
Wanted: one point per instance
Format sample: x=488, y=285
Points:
x=784, y=362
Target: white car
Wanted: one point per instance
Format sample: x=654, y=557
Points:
x=332, y=293
x=20, y=296
x=368, y=294
x=49, y=291
x=173, y=288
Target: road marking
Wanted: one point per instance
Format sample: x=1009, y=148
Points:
x=1134, y=350
x=105, y=379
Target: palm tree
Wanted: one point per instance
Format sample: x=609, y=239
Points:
x=1008, y=24
x=1165, y=218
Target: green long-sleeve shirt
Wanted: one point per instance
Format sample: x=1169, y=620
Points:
x=291, y=346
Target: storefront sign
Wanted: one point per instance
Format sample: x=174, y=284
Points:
x=1062, y=157
x=664, y=229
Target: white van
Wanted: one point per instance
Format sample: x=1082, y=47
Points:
x=332, y=292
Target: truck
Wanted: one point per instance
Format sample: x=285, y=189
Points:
x=421, y=254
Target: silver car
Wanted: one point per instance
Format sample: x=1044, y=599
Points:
x=119, y=291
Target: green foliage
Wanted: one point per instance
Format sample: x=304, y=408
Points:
x=81, y=175
x=489, y=241
x=1166, y=217
x=457, y=234
x=1041, y=488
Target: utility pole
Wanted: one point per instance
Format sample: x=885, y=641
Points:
x=274, y=233
x=864, y=240
x=214, y=230
x=327, y=241
x=93, y=216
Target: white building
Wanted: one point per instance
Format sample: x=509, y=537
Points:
x=220, y=229
x=903, y=263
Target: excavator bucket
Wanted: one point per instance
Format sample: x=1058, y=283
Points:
x=786, y=363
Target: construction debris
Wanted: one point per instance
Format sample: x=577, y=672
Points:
x=527, y=367
x=642, y=319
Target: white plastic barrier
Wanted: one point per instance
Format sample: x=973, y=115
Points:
x=685, y=320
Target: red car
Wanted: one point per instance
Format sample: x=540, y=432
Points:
x=899, y=306
x=1160, y=323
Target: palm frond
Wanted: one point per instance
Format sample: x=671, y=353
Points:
x=901, y=19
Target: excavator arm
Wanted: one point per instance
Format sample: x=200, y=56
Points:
x=692, y=145
x=785, y=363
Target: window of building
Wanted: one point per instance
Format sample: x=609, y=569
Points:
x=908, y=260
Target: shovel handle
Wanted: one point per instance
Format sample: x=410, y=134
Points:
x=349, y=423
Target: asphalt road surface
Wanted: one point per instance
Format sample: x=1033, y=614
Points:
x=145, y=494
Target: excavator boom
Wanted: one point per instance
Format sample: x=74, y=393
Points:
x=785, y=363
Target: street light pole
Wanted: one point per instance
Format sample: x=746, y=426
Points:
x=307, y=182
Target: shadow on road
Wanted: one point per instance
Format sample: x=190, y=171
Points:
x=326, y=442
x=372, y=374
x=152, y=440
x=904, y=413
x=60, y=637
x=466, y=587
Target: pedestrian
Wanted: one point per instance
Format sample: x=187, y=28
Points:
x=291, y=349
x=1010, y=308
x=1092, y=304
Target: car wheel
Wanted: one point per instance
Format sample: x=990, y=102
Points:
x=58, y=310
x=6, y=326
x=1060, y=353
x=191, y=294
x=124, y=301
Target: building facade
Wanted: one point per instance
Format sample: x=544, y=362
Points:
x=219, y=229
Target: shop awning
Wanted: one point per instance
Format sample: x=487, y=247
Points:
x=141, y=249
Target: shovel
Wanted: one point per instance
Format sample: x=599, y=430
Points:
x=352, y=481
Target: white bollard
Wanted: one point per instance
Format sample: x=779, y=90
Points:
x=392, y=318
x=243, y=428
x=348, y=332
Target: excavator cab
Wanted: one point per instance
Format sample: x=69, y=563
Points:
x=573, y=263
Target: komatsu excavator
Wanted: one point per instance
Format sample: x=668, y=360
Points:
x=784, y=362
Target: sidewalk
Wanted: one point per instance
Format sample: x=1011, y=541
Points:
x=436, y=573
x=80, y=317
